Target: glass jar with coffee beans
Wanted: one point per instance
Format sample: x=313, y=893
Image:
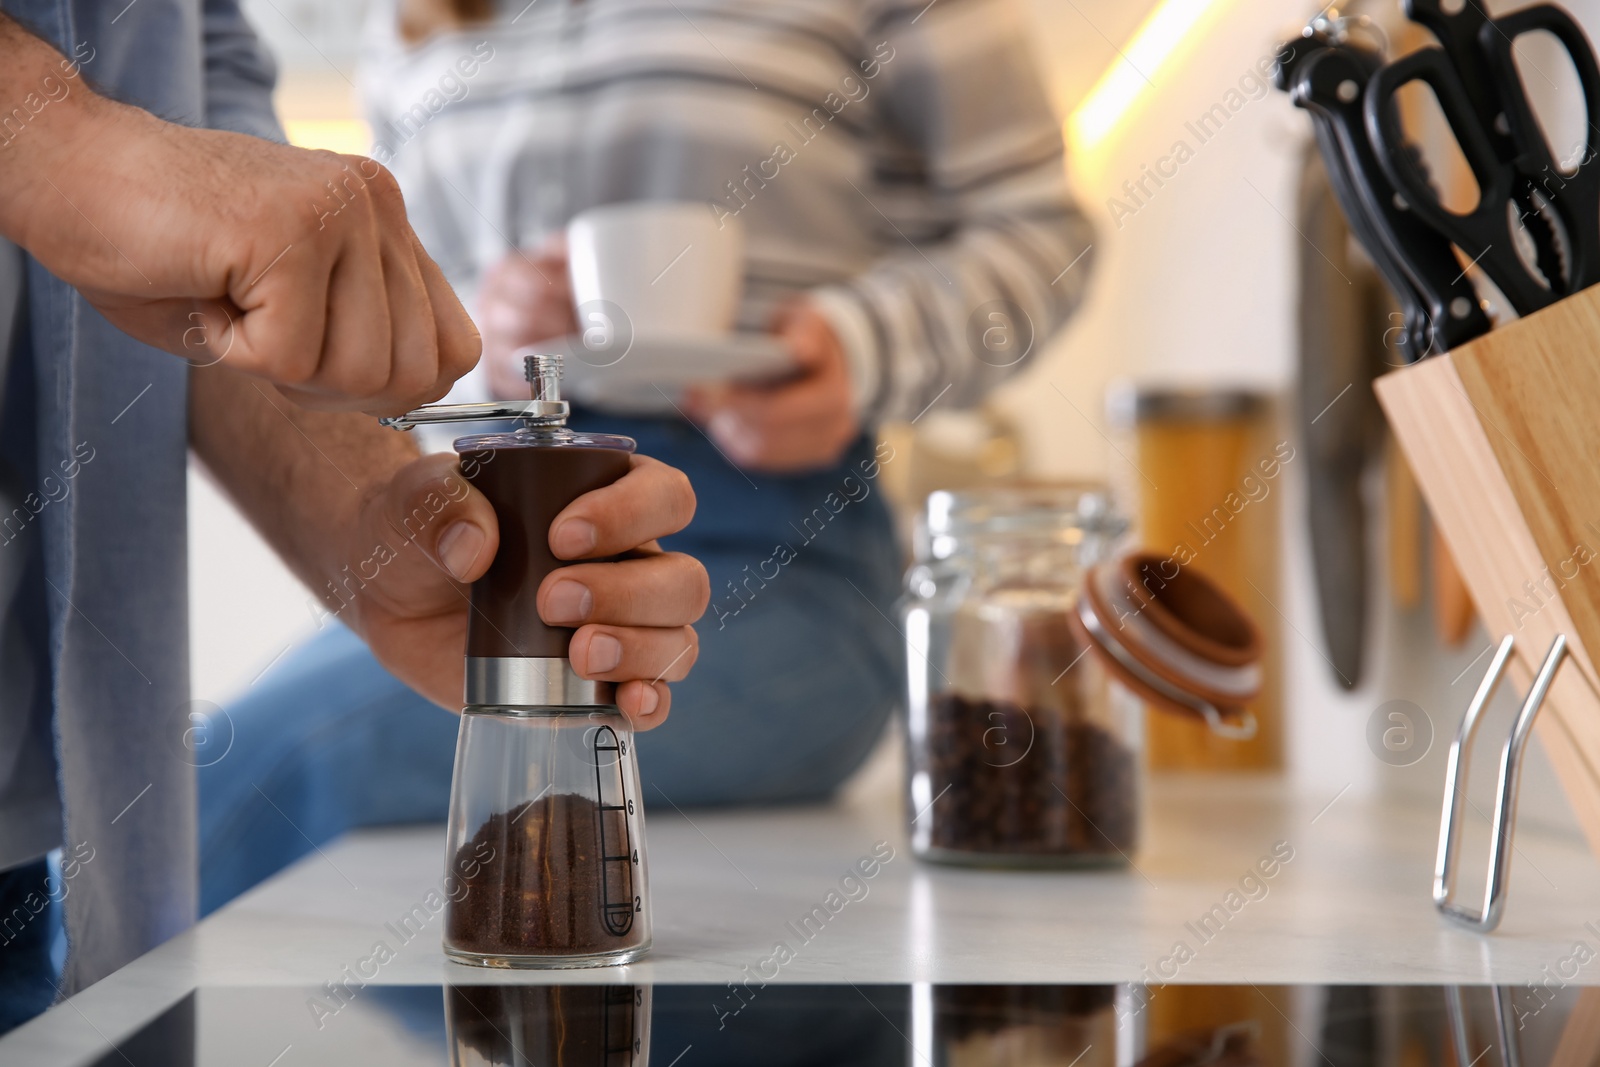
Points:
x=1021, y=752
x=1033, y=644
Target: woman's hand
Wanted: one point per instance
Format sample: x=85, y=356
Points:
x=526, y=299
x=803, y=422
x=633, y=618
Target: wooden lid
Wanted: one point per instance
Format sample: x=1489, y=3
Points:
x=1191, y=609
x=1171, y=635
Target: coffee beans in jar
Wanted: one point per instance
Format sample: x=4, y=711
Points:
x=1022, y=751
x=1070, y=794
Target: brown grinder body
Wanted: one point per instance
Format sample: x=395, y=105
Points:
x=528, y=485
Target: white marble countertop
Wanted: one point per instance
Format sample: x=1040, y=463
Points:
x=1352, y=905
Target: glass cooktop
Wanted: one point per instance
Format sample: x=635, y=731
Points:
x=847, y=1025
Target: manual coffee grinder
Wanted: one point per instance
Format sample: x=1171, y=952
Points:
x=545, y=863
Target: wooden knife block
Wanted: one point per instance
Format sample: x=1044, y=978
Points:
x=1503, y=434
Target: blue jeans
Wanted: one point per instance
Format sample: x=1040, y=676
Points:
x=31, y=941
x=799, y=668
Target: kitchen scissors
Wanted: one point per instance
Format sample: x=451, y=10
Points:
x=1440, y=306
x=1575, y=195
x=1326, y=72
x=1475, y=80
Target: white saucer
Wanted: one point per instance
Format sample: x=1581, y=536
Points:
x=648, y=373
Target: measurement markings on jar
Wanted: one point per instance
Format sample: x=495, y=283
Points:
x=618, y=901
x=620, y=1025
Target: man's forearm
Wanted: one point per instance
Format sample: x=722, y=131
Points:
x=299, y=476
x=44, y=111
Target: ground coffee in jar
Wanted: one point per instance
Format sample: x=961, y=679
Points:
x=547, y=834
x=544, y=893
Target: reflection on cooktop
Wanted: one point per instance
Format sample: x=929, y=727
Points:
x=849, y=1025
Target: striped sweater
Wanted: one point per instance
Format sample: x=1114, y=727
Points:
x=898, y=162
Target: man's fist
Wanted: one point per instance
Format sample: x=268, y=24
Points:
x=294, y=266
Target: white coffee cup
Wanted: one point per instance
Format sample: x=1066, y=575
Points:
x=669, y=266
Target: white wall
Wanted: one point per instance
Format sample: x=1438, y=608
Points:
x=1197, y=286
x=308, y=34
x=245, y=608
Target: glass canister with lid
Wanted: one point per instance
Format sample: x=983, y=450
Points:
x=1033, y=643
x=1021, y=750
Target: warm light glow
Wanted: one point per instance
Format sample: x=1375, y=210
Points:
x=1151, y=46
x=349, y=136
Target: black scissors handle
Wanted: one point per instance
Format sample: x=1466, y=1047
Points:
x=1484, y=233
x=1329, y=85
x=1575, y=196
x=1461, y=35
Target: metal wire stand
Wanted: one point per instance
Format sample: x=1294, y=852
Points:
x=1505, y=805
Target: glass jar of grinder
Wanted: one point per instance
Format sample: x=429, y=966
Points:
x=1031, y=641
x=546, y=856
x=548, y=1025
